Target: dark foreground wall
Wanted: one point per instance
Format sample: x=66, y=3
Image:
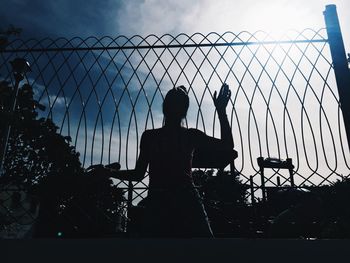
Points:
x=174, y=250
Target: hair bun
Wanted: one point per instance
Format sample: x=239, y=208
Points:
x=182, y=88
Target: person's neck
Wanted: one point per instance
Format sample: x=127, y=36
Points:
x=172, y=124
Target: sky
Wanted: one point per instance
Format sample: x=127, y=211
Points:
x=84, y=18
x=66, y=18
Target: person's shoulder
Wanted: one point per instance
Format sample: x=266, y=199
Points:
x=148, y=136
x=151, y=132
x=195, y=132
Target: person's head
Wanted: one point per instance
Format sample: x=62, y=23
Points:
x=176, y=104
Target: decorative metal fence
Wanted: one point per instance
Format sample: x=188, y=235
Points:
x=105, y=92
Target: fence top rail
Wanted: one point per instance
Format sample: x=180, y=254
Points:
x=166, y=41
x=164, y=46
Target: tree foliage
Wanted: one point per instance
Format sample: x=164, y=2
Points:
x=73, y=201
x=34, y=149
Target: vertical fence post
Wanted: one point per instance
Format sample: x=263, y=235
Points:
x=130, y=195
x=340, y=63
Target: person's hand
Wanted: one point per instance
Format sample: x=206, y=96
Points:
x=221, y=101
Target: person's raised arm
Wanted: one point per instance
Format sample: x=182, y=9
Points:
x=220, y=103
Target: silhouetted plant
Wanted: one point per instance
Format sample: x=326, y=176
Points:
x=226, y=187
x=225, y=199
x=322, y=212
x=295, y=212
x=84, y=205
x=34, y=149
x=335, y=222
x=73, y=202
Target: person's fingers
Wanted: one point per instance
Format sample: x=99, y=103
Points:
x=224, y=89
x=225, y=86
x=224, y=94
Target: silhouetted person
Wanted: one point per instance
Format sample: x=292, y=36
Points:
x=174, y=207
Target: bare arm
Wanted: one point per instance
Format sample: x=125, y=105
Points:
x=210, y=151
x=220, y=103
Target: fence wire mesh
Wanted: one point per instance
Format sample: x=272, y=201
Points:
x=105, y=92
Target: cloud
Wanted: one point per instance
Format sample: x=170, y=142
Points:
x=83, y=18
x=174, y=17
x=60, y=18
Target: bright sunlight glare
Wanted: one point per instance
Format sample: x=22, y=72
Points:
x=279, y=17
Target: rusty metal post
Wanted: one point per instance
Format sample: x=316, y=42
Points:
x=340, y=63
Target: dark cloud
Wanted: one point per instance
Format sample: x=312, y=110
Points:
x=60, y=18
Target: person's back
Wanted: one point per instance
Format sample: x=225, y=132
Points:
x=170, y=156
x=174, y=207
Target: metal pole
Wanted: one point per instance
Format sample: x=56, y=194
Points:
x=19, y=67
x=251, y=184
x=129, y=201
x=7, y=129
x=130, y=194
x=340, y=63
